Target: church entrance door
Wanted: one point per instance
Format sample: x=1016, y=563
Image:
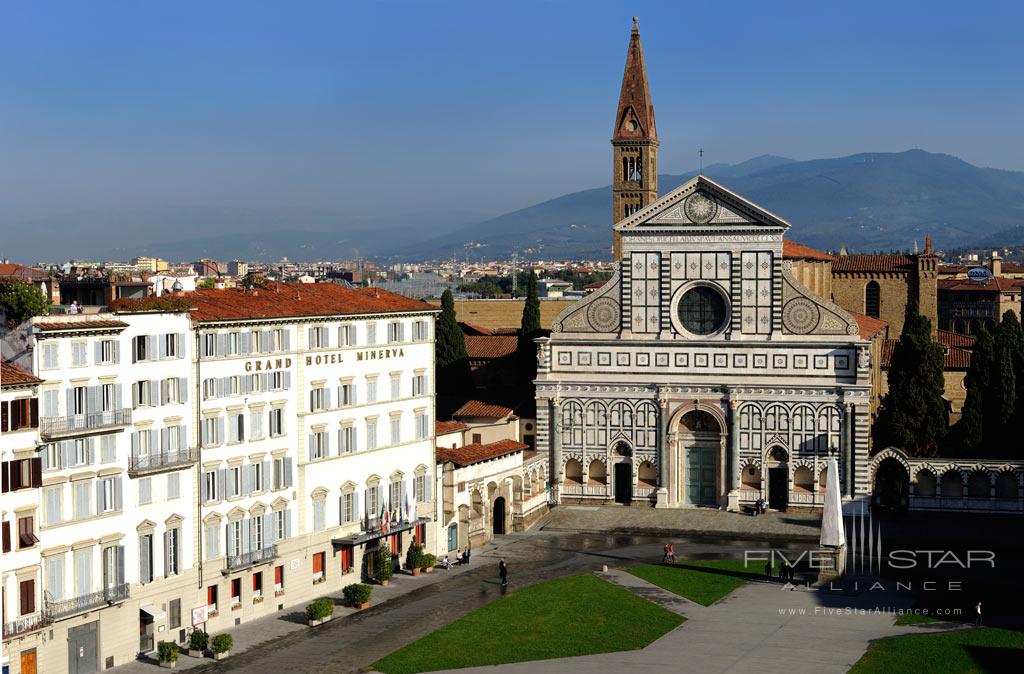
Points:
x=499, y=516
x=623, y=483
x=778, y=494
x=700, y=435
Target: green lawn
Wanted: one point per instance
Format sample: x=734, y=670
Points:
x=970, y=650
x=704, y=582
x=915, y=619
x=577, y=615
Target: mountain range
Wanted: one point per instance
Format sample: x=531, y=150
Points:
x=867, y=202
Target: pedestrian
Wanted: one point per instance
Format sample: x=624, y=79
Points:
x=465, y=557
x=503, y=572
x=664, y=553
x=762, y=506
x=671, y=553
x=458, y=555
x=977, y=614
x=784, y=572
x=768, y=571
x=447, y=563
x=74, y=308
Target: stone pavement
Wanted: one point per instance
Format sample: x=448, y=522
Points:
x=691, y=522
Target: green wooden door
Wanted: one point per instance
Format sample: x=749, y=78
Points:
x=700, y=475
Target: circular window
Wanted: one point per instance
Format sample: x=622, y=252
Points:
x=702, y=310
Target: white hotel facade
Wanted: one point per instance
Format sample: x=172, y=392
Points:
x=224, y=461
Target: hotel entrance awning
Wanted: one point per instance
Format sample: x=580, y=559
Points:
x=367, y=536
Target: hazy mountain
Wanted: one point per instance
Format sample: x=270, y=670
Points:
x=871, y=201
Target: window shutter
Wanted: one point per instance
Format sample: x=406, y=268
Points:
x=71, y=401
x=287, y=378
x=161, y=345
x=6, y=536
x=269, y=535
x=287, y=523
x=220, y=430
x=267, y=478
x=165, y=439
x=243, y=342
x=182, y=439
x=182, y=390
x=247, y=480
x=117, y=396
x=181, y=345
x=222, y=483
x=231, y=541
x=99, y=496
x=246, y=535
x=311, y=446
x=205, y=489
x=90, y=451
x=286, y=339
x=154, y=393
x=5, y=476
x=426, y=487
x=167, y=553
x=288, y=472
x=311, y=333
x=145, y=559
x=50, y=404
x=327, y=398
x=98, y=351
x=117, y=494
x=135, y=443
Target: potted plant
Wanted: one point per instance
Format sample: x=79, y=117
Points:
x=319, y=612
x=384, y=569
x=413, y=557
x=357, y=595
x=198, y=640
x=168, y=653
x=428, y=562
x=221, y=645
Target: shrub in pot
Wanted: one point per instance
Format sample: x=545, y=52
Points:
x=413, y=557
x=198, y=641
x=319, y=611
x=221, y=645
x=168, y=653
x=384, y=569
x=357, y=594
x=428, y=562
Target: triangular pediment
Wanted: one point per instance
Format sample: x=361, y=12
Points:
x=701, y=203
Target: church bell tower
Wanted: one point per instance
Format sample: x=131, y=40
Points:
x=634, y=143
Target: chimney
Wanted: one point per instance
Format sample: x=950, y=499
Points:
x=995, y=264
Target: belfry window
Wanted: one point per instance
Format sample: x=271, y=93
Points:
x=632, y=168
x=631, y=209
x=872, y=300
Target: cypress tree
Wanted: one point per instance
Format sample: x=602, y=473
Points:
x=451, y=358
x=1006, y=387
x=913, y=415
x=529, y=329
x=972, y=420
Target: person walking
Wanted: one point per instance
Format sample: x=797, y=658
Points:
x=503, y=572
x=768, y=571
x=671, y=553
x=664, y=553
x=447, y=563
x=977, y=614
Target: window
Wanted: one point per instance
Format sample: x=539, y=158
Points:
x=396, y=429
x=211, y=597
x=26, y=532
x=347, y=335
x=142, y=394
x=82, y=500
x=234, y=386
x=236, y=427
x=371, y=389
x=318, y=565
x=318, y=445
x=420, y=331
x=277, y=380
x=210, y=485
x=278, y=340
x=108, y=448
x=872, y=300
x=346, y=394
x=257, y=584
x=209, y=389
x=19, y=414
x=108, y=495
x=348, y=512
x=346, y=440
x=170, y=344
x=53, y=504
x=236, y=592
x=317, y=399
x=257, y=532
x=372, y=500
x=210, y=344
x=50, y=359
x=108, y=397
x=396, y=332
x=396, y=386
x=257, y=477
x=235, y=483
x=27, y=597
x=256, y=341
x=140, y=348
x=174, y=613
x=50, y=403
x=346, y=559
x=54, y=456
x=146, y=558
x=276, y=422
x=233, y=343
x=422, y=425
x=211, y=431
x=55, y=576
x=281, y=524
x=371, y=433
x=255, y=383
x=318, y=338
x=279, y=578
x=419, y=488
x=108, y=351
x=234, y=536
x=78, y=396
x=282, y=473
x=256, y=424
x=395, y=491
x=172, y=552
x=145, y=491
x=79, y=354
x=173, y=485
x=702, y=310
x=212, y=540
x=319, y=514
x=371, y=333
x=419, y=385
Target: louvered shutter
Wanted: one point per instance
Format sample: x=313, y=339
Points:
x=161, y=341
x=288, y=472
x=154, y=393
x=182, y=389
x=220, y=430
x=182, y=439
x=98, y=351
x=117, y=397
x=246, y=535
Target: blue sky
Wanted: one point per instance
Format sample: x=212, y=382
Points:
x=371, y=107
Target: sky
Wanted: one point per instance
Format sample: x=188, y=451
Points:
x=373, y=108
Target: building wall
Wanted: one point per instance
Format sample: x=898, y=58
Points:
x=816, y=276
x=848, y=291
x=504, y=313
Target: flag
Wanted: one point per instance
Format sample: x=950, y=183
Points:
x=380, y=518
x=408, y=513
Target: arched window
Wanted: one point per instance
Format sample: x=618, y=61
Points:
x=573, y=472
x=925, y=483
x=597, y=474
x=872, y=300
x=803, y=479
x=1006, y=485
x=952, y=484
x=751, y=478
x=978, y=485
x=646, y=475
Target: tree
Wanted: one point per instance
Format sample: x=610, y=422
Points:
x=971, y=429
x=913, y=414
x=529, y=329
x=451, y=359
x=1005, y=387
x=21, y=301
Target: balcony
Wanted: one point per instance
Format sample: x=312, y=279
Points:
x=26, y=624
x=86, y=602
x=251, y=558
x=162, y=461
x=80, y=424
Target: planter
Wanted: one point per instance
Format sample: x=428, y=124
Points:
x=257, y=600
x=195, y=652
x=328, y=619
x=236, y=607
x=315, y=623
x=213, y=614
x=365, y=604
x=221, y=656
x=429, y=569
x=415, y=572
x=322, y=579
x=278, y=593
x=172, y=664
x=384, y=582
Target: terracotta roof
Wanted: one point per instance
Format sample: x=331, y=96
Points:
x=882, y=263
x=793, y=250
x=950, y=338
x=286, y=300
x=954, y=359
x=445, y=427
x=481, y=347
x=470, y=454
x=595, y=285
x=474, y=329
x=84, y=324
x=476, y=408
x=21, y=272
x=11, y=374
x=869, y=327
x=995, y=284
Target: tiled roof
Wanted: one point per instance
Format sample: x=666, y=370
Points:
x=84, y=324
x=995, y=284
x=476, y=408
x=470, y=454
x=954, y=359
x=474, y=329
x=286, y=300
x=11, y=374
x=869, y=327
x=445, y=427
x=20, y=271
x=878, y=263
x=792, y=250
x=481, y=347
x=950, y=338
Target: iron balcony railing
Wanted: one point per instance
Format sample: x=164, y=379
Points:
x=252, y=557
x=162, y=460
x=86, y=602
x=83, y=423
x=26, y=624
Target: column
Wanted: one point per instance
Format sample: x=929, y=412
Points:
x=666, y=453
x=848, y=449
x=733, y=484
x=555, y=472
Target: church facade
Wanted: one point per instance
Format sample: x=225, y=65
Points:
x=703, y=373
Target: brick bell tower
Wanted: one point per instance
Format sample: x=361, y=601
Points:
x=634, y=143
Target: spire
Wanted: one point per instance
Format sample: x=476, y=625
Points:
x=635, y=116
